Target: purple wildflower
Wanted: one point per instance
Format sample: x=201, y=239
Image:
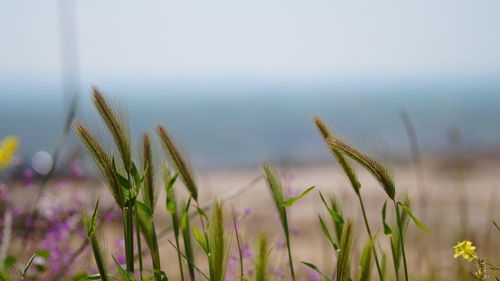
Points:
x=76, y=170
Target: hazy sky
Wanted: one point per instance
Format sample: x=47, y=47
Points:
x=259, y=38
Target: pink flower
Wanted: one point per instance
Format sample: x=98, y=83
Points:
x=76, y=171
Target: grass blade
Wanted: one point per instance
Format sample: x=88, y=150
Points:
x=186, y=237
x=365, y=261
x=27, y=266
x=289, y=202
x=344, y=257
x=99, y=256
x=276, y=189
x=315, y=268
x=415, y=220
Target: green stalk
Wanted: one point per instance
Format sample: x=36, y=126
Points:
x=155, y=253
x=289, y=251
x=242, y=273
x=186, y=236
x=98, y=256
x=370, y=236
x=147, y=227
x=276, y=190
x=172, y=208
x=395, y=261
x=175, y=222
x=129, y=238
x=351, y=175
x=139, y=248
x=176, y=234
x=400, y=230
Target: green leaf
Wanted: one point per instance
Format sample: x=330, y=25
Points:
x=384, y=210
x=185, y=214
x=171, y=208
x=336, y=217
x=27, y=266
x=162, y=274
x=323, y=200
x=93, y=221
x=202, y=213
x=200, y=239
x=78, y=276
x=315, y=268
x=334, y=214
x=9, y=261
x=184, y=220
x=387, y=228
x=121, y=271
x=91, y=277
x=325, y=230
x=124, y=182
x=415, y=220
x=144, y=208
x=292, y=200
x=496, y=225
x=136, y=175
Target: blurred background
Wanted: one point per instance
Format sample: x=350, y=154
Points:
x=416, y=84
x=238, y=82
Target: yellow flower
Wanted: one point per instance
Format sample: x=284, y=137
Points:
x=466, y=250
x=8, y=147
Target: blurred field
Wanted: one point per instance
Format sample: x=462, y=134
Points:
x=437, y=200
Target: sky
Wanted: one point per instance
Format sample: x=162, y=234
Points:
x=259, y=39
x=280, y=62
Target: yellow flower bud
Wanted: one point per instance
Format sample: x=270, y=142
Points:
x=8, y=148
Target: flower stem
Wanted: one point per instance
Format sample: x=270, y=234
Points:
x=370, y=236
x=400, y=230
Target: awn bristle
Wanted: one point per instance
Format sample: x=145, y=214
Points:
x=149, y=191
x=262, y=259
x=274, y=184
x=116, y=122
x=218, y=245
x=178, y=161
x=103, y=161
x=375, y=168
x=344, y=163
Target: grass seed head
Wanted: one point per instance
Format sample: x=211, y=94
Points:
x=344, y=163
x=178, y=161
x=115, y=119
x=102, y=160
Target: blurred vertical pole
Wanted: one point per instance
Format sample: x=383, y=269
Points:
x=68, y=38
x=70, y=76
x=417, y=162
x=71, y=84
x=423, y=193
